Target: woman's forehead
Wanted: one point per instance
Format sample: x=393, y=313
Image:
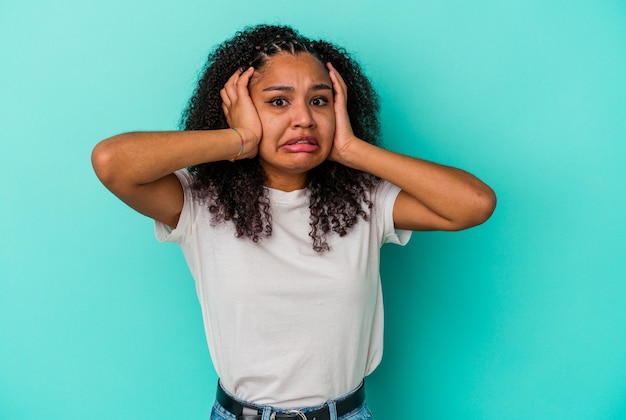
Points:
x=290, y=67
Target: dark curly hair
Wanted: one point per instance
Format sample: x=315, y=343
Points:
x=339, y=195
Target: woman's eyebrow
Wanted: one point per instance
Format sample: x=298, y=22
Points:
x=284, y=88
x=321, y=86
x=281, y=88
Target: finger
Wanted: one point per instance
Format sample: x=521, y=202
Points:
x=339, y=85
x=336, y=75
x=230, y=87
x=225, y=109
x=243, y=81
x=233, y=78
x=341, y=100
x=225, y=99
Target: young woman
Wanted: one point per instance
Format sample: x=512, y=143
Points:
x=280, y=200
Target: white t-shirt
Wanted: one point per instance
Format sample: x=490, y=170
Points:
x=285, y=325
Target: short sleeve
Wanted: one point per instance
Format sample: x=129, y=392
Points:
x=165, y=233
x=385, y=198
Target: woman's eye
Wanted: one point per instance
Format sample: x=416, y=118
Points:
x=278, y=102
x=319, y=101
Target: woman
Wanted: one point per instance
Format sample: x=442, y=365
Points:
x=281, y=214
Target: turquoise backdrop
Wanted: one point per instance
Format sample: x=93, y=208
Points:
x=521, y=318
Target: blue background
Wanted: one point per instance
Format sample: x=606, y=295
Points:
x=521, y=318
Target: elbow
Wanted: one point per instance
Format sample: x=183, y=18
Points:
x=477, y=211
x=103, y=163
x=483, y=207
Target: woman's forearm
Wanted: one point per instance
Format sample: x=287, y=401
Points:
x=143, y=157
x=454, y=195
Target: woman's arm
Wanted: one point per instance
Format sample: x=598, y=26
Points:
x=138, y=167
x=433, y=197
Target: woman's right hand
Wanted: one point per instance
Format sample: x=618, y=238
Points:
x=240, y=111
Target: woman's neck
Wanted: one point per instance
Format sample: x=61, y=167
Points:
x=286, y=183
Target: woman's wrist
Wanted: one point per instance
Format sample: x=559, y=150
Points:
x=241, y=145
x=353, y=153
x=247, y=143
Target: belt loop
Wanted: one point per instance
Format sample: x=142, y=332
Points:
x=332, y=408
x=267, y=412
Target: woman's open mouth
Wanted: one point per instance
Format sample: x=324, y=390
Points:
x=302, y=144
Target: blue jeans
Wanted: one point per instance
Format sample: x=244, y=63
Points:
x=362, y=412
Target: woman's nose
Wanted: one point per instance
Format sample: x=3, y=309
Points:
x=302, y=116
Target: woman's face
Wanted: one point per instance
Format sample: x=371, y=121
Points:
x=294, y=99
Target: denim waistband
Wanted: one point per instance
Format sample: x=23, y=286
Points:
x=330, y=410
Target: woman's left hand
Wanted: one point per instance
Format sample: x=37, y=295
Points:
x=344, y=136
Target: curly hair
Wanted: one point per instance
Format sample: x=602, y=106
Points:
x=339, y=195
